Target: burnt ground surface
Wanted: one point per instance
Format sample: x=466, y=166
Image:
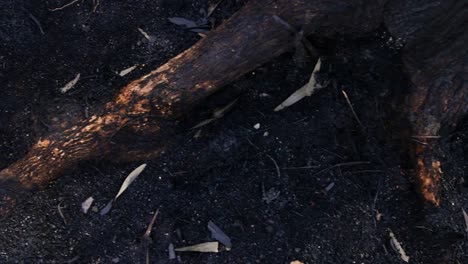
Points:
x=317, y=207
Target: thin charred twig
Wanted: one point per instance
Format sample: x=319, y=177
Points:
x=276, y=165
x=351, y=163
x=36, y=21
x=146, y=239
x=352, y=109
x=64, y=6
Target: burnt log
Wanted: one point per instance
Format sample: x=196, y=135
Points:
x=434, y=57
x=153, y=104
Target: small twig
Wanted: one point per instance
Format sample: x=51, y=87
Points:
x=37, y=23
x=64, y=6
x=418, y=141
x=425, y=136
x=300, y=168
x=352, y=109
x=96, y=4
x=213, y=8
x=59, y=208
x=146, y=236
x=276, y=165
x=352, y=163
x=150, y=226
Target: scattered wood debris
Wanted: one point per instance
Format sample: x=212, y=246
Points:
x=70, y=84
x=398, y=248
x=307, y=90
x=87, y=204
x=130, y=178
x=217, y=114
x=218, y=234
x=210, y=247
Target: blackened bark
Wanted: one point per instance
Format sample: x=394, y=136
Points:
x=152, y=104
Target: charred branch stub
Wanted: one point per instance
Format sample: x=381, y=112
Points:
x=151, y=106
x=435, y=57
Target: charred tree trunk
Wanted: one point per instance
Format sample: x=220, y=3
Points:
x=435, y=57
x=153, y=103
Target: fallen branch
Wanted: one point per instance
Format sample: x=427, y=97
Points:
x=144, y=116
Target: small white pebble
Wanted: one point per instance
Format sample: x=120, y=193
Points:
x=266, y=134
x=257, y=126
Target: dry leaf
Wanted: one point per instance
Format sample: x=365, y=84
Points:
x=465, y=216
x=87, y=204
x=130, y=178
x=398, y=248
x=203, y=247
x=307, y=90
x=70, y=84
x=127, y=70
x=108, y=207
x=219, y=235
x=172, y=254
x=147, y=36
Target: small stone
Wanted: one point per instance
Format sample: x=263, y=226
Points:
x=269, y=229
x=257, y=126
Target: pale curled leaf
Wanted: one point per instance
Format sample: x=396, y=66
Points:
x=219, y=235
x=203, y=247
x=307, y=90
x=87, y=204
x=130, y=178
x=398, y=248
x=70, y=84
